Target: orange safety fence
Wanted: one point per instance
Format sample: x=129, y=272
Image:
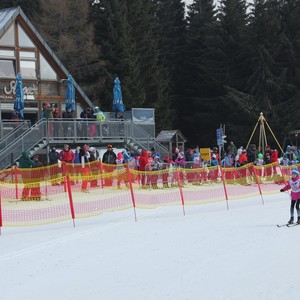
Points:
x=69, y=191
x=34, y=203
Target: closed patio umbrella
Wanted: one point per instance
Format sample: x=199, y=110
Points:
x=19, y=101
x=70, y=98
x=118, y=105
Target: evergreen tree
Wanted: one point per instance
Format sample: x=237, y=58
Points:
x=210, y=67
x=128, y=34
x=145, y=31
x=66, y=28
x=199, y=113
x=28, y=6
x=237, y=103
x=288, y=58
x=172, y=32
x=290, y=18
x=233, y=21
x=267, y=83
x=113, y=34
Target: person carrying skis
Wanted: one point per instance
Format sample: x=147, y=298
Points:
x=294, y=185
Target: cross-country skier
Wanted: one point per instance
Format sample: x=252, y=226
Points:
x=294, y=185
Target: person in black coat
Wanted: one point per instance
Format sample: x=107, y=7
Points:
x=109, y=157
x=252, y=153
x=53, y=156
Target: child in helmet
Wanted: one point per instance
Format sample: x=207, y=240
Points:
x=259, y=160
x=294, y=185
x=295, y=160
x=285, y=161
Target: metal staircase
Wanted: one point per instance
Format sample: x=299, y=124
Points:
x=74, y=132
x=12, y=131
x=32, y=139
x=139, y=140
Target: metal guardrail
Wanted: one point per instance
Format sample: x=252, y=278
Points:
x=144, y=141
x=18, y=128
x=30, y=138
x=77, y=131
x=7, y=126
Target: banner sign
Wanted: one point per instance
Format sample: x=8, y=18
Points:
x=220, y=134
x=205, y=154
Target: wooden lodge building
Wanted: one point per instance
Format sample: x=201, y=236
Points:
x=44, y=78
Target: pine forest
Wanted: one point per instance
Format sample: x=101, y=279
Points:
x=199, y=66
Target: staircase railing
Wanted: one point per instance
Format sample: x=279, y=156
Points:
x=26, y=141
x=18, y=129
x=8, y=126
x=77, y=131
x=144, y=140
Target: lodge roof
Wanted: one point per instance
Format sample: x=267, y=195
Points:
x=9, y=15
x=168, y=135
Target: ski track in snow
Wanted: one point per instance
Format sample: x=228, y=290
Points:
x=211, y=253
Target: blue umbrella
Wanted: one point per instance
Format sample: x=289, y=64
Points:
x=118, y=105
x=70, y=99
x=19, y=101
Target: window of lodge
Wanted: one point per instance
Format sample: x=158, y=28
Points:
x=24, y=40
x=28, y=64
x=8, y=39
x=7, y=63
x=46, y=71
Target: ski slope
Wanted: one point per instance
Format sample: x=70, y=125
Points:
x=210, y=253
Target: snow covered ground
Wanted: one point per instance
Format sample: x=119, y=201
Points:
x=210, y=253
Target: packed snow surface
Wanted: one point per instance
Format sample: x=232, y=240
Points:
x=210, y=253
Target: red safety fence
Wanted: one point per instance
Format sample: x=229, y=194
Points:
x=69, y=191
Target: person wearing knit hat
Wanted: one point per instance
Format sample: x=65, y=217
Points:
x=109, y=157
x=294, y=185
x=180, y=160
x=84, y=159
x=156, y=165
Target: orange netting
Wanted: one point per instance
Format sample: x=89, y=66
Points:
x=68, y=191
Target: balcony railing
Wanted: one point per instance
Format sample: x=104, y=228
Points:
x=77, y=131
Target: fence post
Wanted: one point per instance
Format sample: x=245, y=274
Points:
x=258, y=183
x=224, y=185
x=131, y=191
x=15, y=170
x=64, y=174
x=70, y=199
x=48, y=181
x=180, y=190
x=101, y=173
x=282, y=174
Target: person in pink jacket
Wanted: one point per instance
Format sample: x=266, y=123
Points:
x=294, y=185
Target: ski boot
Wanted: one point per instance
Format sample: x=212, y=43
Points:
x=291, y=221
